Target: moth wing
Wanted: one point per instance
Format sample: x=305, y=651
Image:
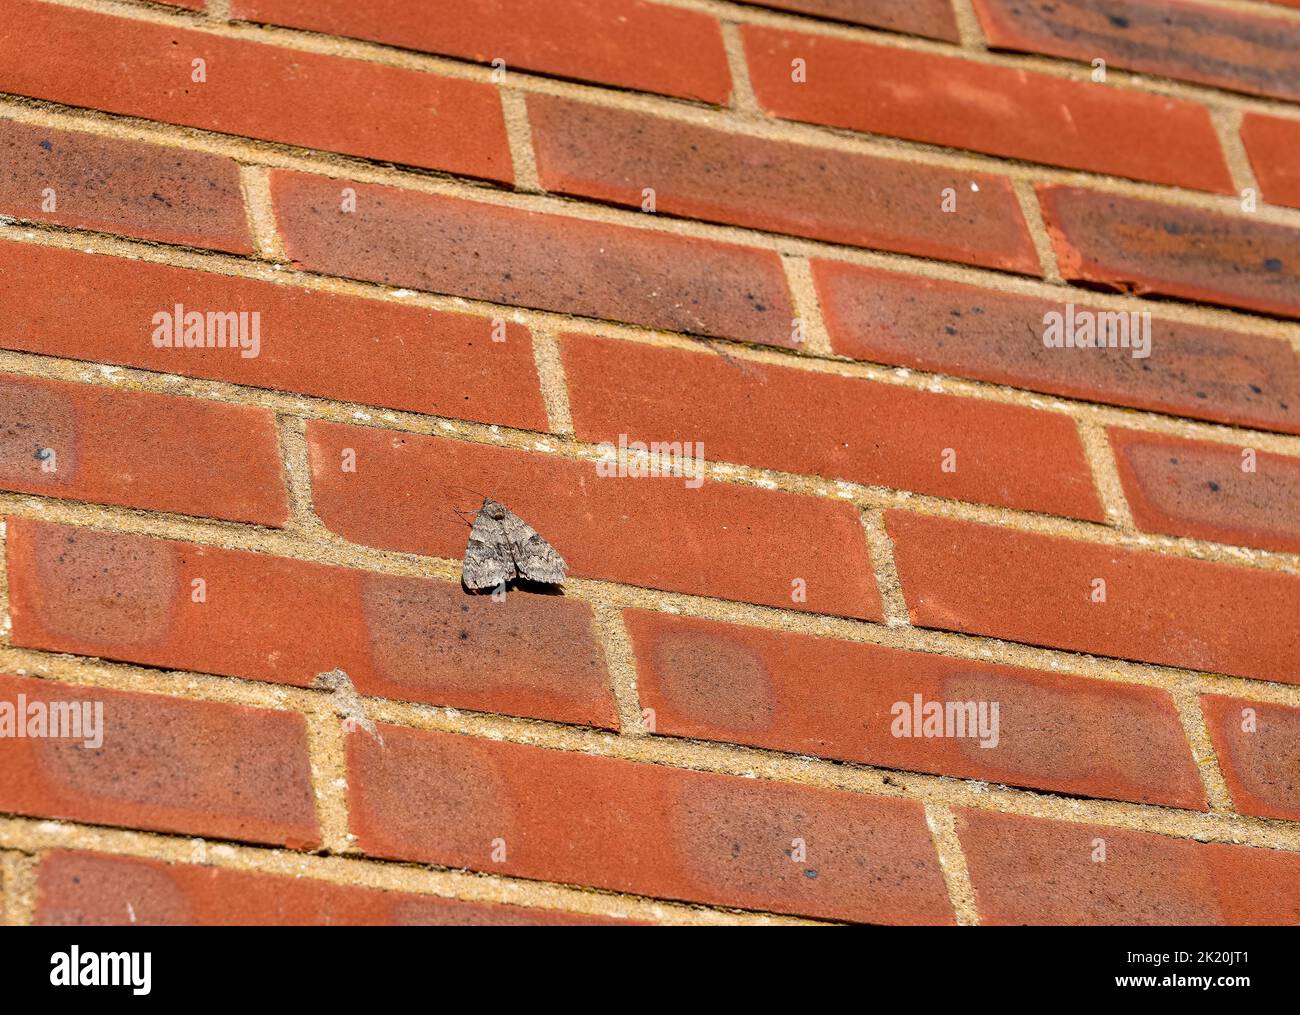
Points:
x=488, y=561
x=534, y=557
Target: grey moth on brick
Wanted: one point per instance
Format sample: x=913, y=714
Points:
x=503, y=546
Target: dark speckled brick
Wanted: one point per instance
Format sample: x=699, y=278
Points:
x=823, y=193
x=531, y=259
x=1141, y=246
x=1199, y=489
x=948, y=327
x=1246, y=51
x=119, y=186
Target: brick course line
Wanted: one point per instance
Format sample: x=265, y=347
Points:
x=34, y=836
x=703, y=756
x=863, y=496
x=429, y=183
x=1086, y=411
x=311, y=42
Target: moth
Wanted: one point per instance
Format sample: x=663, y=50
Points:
x=503, y=546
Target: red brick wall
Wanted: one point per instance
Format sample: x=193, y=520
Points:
x=819, y=237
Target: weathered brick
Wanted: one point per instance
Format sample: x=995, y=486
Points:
x=1026, y=587
x=165, y=764
x=141, y=450
x=986, y=108
x=613, y=155
x=1030, y=870
x=1200, y=489
x=72, y=304
x=1258, y=746
x=862, y=431
x=948, y=327
x=82, y=889
x=114, y=185
x=1271, y=144
x=534, y=259
x=262, y=91
x=931, y=18
x=1141, y=246
x=578, y=819
x=834, y=699
x=729, y=541
x=273, y=618
x=1244, y=50
x=628, y=43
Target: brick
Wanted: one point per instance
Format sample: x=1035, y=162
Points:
x=1259, y=754
x=862, y=431
x=91, y=307
x=986, y=108
x=1199, y=489
x=816, y=696
x=822, y=193
x=113, y=185
x=252, y=89
x=931, y=18
x=948, y=327
x=1025, y=587
x=444, y=799
x=627, y=43
x=166, y=765
x=1246, y=51
x=535, y=259
x=724, y=540
x=1271, y=145
x=1029, y=870
x=141, y=450
x=272, y=618
x=82, y=889
x=1144, y=247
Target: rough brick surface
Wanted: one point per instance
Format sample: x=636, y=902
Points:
x=1030, y=870
x=972, y=331
x=1207, y=491
x=876, y=434
x=455, y=801
x=1039, y=589
x=165, y=764
x=817, y=696
x=136, y=449
x=68, y=303
x=79, y=889
x=614, y=155
x=89, y=181
x=1246, y=51
x=531, y=259
x=1258, y=746
x=629, y=43
x=998, y=110
x=721, y=540
x=261, y=91
x=1271, y=144
x=133, y=598
x=932, y=18
x=1171, y=250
